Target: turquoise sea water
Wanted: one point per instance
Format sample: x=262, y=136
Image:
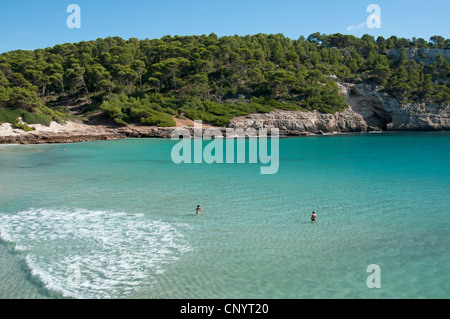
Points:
x=117, y=219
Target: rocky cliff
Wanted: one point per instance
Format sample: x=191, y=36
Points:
x=386, y=113
x=303, y=123
x=370, y=110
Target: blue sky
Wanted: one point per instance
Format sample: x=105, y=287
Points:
x=36, y=24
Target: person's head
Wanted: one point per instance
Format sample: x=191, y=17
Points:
x=198, y=206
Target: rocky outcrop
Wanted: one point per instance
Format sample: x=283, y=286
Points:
x=303, y=123
x=370, y=110
x=75, y=133
x=55, y=138
x=386, y=113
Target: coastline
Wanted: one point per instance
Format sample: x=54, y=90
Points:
x=77, y=132
x=369, y=111
x=73, y=132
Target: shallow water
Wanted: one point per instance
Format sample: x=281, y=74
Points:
x=117, y=219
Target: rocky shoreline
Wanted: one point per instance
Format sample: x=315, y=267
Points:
x=284, y=122
x=370, y=110
x=76, y=132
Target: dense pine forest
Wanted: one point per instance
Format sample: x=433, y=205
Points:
x=212, y=78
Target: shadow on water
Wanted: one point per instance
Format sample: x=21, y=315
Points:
x=37, y=165
x=189, y=215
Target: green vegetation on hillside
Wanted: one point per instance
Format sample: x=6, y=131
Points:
x=213, y=79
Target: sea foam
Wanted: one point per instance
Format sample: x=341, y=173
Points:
x=93, y=254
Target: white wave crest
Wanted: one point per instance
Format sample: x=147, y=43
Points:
x=93, y=254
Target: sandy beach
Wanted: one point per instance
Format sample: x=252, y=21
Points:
x=76, y=131
x=7, y=129
x=73, y=132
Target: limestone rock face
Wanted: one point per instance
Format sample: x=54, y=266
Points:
x=386, y=113
x=303, y=123
x=370, y=110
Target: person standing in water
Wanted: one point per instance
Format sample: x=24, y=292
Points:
x=314, y=218
x=198, y=209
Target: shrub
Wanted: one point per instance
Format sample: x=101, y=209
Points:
x=63, y=110
x=160, y=119
x=120, y=121
x=10, y=116
x=31, y=118
x=24, y=127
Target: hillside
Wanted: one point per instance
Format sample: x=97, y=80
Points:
x=160, y=81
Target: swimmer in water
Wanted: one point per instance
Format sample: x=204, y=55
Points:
x=198, y=209
x=314, y=218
